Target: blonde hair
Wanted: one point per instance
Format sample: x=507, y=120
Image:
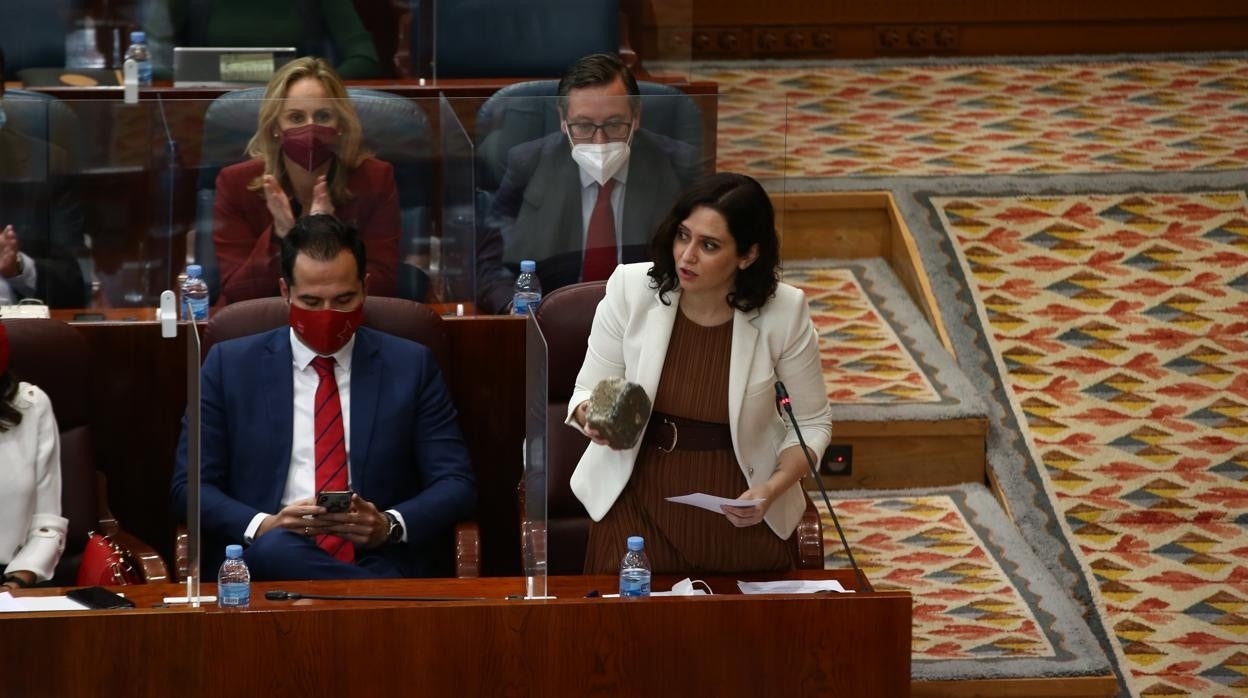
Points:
x=267, y=146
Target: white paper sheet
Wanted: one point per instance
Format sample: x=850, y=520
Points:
x=792, y=586
x=25, y=604
x=712, y=503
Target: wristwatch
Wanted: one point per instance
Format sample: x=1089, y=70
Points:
x=395, y=533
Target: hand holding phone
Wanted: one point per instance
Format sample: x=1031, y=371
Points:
x=334, y=501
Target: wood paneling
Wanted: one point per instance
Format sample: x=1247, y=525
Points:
x=798, y=29
x=573, y=646
x=907, y=453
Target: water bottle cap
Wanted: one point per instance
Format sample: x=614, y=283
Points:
x=233, y=552
x=528, y=266
x=636, y=543
x=138, y=37
x=194, y=270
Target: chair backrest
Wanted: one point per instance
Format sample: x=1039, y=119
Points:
x=55, y=357
x=565, y=317
x=32, y=33
x=395, y=130
x=526, y=111
x=396, y=316
x=505, y=38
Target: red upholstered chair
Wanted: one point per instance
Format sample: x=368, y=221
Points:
x=396, y=316
x=55, y=357
x=566, y=316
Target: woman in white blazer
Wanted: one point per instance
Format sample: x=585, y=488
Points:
x=707, y=331
x=32, y=530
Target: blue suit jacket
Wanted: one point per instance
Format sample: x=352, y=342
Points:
x=406, y=452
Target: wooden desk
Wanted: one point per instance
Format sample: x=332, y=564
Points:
x=722, y=645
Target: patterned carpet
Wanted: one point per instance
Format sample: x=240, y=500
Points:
x=1119, y=324
x=1041, y=118
x=1086, y=226
x=864, y=361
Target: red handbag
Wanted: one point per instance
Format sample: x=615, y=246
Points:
x=105, y=564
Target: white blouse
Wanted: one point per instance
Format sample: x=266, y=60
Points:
x=32, y=530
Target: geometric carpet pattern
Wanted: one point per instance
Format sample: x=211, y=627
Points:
x=1119, y=328
x=864, y=361
x=965, y=606
x=845, y=120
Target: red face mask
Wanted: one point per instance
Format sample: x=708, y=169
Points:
x=325, y=331
x=309, y=146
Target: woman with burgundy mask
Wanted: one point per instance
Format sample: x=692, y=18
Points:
x=32, y=530
x=307, y=159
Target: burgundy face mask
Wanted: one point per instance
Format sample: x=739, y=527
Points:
x=309, y=146
x=325, y=331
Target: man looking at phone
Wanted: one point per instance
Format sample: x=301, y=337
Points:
x=295, y=417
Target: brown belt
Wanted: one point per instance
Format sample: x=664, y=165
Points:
x=668, y=433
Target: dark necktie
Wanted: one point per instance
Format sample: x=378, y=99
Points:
x=600, y=249
x=331, y=450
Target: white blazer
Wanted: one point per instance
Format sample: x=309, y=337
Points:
x=629, y=338
x=32, y=530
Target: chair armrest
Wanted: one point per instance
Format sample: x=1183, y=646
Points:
x=467, y=549
x=151, y=566
x=809, y=539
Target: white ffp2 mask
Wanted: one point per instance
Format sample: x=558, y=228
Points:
x=600, y=160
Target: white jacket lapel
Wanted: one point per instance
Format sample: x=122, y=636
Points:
x=744, y=337
x=660, y=319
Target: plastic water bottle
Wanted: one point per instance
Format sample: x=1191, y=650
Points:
x=635, y=569
x=528, y=289
x=234, y=580
x=194, y=295
x=141, y=56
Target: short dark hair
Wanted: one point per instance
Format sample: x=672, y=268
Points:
x=594, y=70
x=747, y=210
x=323, y=238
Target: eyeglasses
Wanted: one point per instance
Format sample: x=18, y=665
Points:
x=613, y=130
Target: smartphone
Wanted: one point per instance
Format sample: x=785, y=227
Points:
x=335, y=502
x=99, y=597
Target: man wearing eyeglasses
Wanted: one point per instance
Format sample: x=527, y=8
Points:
x=584, y=199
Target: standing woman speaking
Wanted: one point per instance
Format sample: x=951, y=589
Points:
x=706, y=330
x=307, y=159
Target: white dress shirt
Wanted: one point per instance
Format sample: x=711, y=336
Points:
x=589, y=197
x=23, y=283
x=301, y=481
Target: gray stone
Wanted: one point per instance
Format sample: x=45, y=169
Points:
x=618, y=410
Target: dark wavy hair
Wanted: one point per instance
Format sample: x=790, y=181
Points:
x=9, y=414
x=747, y=209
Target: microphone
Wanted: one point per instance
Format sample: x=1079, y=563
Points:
x=782, y=397
x=282, y=595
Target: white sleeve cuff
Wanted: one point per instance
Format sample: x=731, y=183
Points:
x=249, y=533
x=26, y=281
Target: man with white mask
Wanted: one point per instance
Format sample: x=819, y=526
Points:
x=584, y=199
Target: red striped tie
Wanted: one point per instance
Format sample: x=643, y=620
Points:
x=331, y=450
x=600, y=248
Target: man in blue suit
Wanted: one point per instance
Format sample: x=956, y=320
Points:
x=327, y=405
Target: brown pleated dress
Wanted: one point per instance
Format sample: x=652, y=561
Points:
x=681, y=539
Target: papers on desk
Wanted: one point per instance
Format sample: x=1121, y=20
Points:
x=712, y=503
x=26, y=604
x=792, y=586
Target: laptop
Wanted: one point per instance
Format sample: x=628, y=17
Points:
x=217, y=66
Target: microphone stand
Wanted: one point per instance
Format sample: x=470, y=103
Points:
x=782, y=396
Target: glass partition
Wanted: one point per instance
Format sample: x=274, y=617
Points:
x=537, y=203
x=664, y=39
x=456, y=263
x=533, y=550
